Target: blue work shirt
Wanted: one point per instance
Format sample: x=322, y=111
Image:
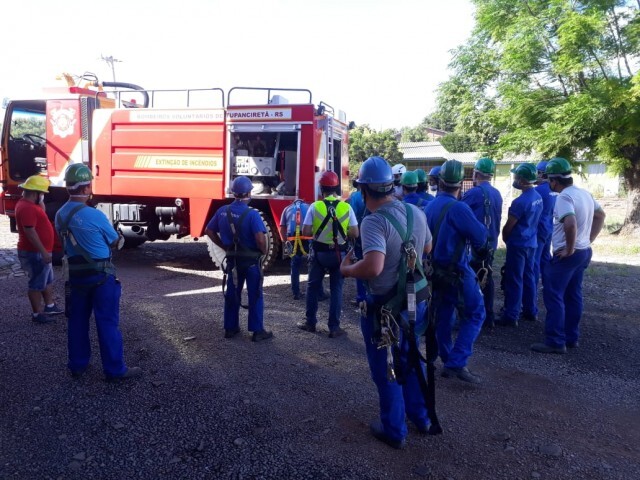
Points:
x=288, y=218
x=527, y=208
x=458, y=227
x=90, y=227
x=252, y=223
x=414, y=198
x=491, y=214
x=545, y=225
x=426, y=196
x=357, y=205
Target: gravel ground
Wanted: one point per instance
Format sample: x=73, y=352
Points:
x=298, y=407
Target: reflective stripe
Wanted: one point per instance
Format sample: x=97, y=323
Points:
x=319, y=214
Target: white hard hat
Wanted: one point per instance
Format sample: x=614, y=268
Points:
x=398, y=169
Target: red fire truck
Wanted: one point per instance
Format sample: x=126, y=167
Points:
x=161, y=169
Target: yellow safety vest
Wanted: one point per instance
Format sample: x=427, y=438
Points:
x=319, y=214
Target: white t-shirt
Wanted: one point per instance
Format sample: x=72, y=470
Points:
x=578, y=202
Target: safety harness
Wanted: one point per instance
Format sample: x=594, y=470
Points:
x=238, y=253
x=295, y=243
x=336, y=227
x=483, y=267
x=408, y=294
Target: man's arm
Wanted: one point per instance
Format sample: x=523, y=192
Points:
x=570, y=226
x=261, y=242
x=596, y=226
x=32, y=236
x=215, y=238
x=508, y=227
x=353, y=232
x=369, y=267
x=427, y=247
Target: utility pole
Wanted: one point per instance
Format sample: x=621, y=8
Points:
x=110, y=61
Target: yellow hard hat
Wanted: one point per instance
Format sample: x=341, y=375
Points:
x=36, y=183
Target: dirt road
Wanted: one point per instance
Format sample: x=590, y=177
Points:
x=299, y=406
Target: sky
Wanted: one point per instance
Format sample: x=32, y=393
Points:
x=380, y=61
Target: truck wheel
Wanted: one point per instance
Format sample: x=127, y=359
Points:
x=273, y=246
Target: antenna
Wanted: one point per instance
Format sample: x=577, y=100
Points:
x=110, y=61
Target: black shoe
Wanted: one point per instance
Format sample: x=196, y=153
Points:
x=506, y=322
x=261, y=335
x=298, y=296
x=79, y=373
x=231, y=333
x=489, y=324
x=462, y=373
x=338, y=332
x=323, y=297
x=529, y=317
x=132, y=372
x=377, y=430
x=544, y=348
x=306, y=326
x=42, y=318
x=575, y=344
x=53, y=310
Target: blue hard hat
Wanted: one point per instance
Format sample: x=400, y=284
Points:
x=542, y=166
x=375, y=170
x=434, y=172
x=241, y=186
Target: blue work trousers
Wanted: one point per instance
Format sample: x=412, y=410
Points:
x=99, y=294
x=520, y=291
x=396, y=400
x=563, y=297
x=543, y=257
x=321, y=262
x=465, y=297
x=233, y=296
x=296, y=262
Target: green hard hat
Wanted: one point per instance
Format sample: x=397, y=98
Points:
x=558, y=166
x=526, y=171
x=409, y=179
x=485, y=165
x=78, y=174
x=422, y=175
x=452, y=172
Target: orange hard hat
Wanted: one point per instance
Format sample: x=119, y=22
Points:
x=329, y=179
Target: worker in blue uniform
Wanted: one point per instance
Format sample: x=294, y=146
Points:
x=577, y=220
x=422, y=185
x=240, y=231
x=382, y=245
x=520, y=235
x=356, y=202
x=455, y=286
x=296, y=247
x=485, y=202
x=434, y=179
x=409, y=183
x=545, y=225
x=88, y=238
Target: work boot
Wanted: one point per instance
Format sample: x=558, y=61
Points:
x=377, y=430
x=79, y=373
x=338, y=332
x=506, y=322
x=323, y=297
x=231, y=332
x=42, y=318
x=529, y=317
x=132, y=372
x=298, y=296
x=461, y=373
x=575, y=344
x=261, y=335
x=544, y=348
x=306, y=326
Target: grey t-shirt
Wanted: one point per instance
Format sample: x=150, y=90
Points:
x=378, y=235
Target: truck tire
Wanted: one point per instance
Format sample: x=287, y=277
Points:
x=273, y=245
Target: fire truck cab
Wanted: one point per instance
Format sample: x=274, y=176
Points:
x=161, y=169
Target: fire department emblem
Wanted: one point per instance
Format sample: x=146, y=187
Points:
x=63, y=121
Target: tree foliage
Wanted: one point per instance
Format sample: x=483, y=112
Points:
x=559, y=77
x=365, y=142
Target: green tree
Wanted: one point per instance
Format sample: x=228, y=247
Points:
x=365, y=142
x=559, y=77
x=458, y=142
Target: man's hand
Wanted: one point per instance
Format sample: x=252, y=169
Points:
x=563, y=253
x=46, y=257
x=347, y=261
